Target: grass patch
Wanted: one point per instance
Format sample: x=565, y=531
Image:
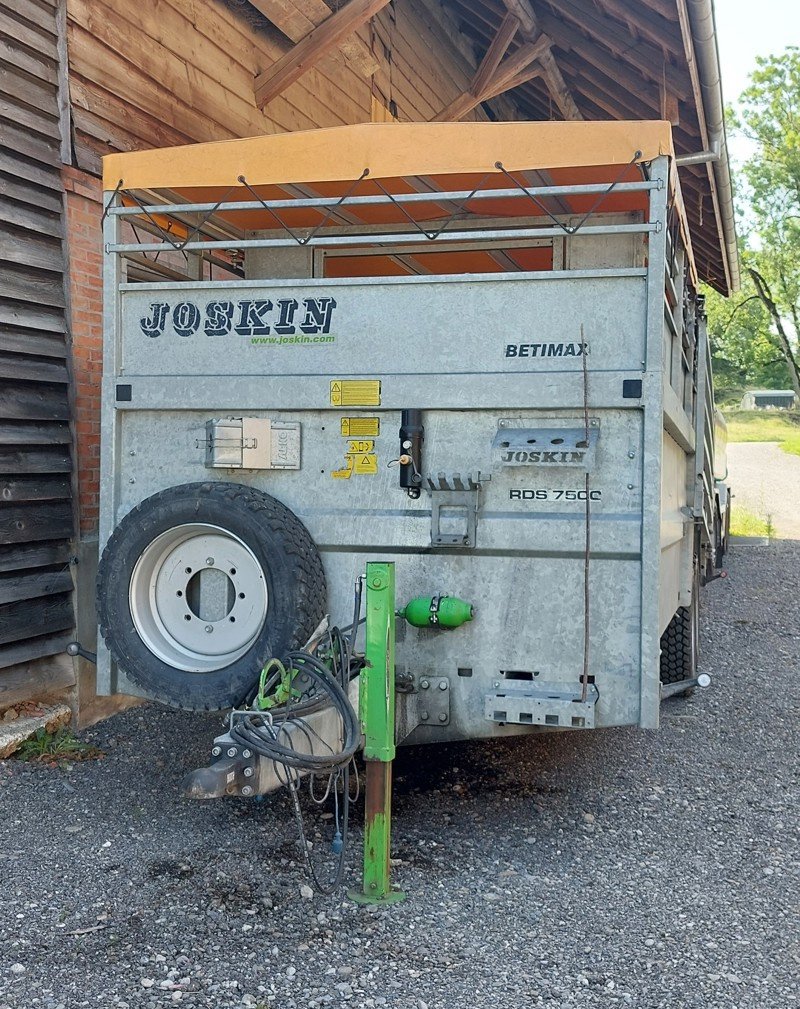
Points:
x=51, y=747
x=765, y=425
x=792, y=444
x=746, y=523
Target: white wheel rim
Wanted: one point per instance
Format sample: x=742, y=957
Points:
x=198, y=597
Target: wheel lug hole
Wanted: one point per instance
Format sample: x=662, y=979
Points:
x=241, y=595
x=233, y=571
x=187, y=616
x=179, y=593
x=232, y=619
x=188, y=571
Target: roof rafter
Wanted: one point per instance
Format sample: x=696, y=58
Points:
x=552, y=75
x=529, y=74
x=296, y=18
x=653, y=27
x=312, y=47
x=494, y=54
x=507, y=71
x=442, y=20
x=574, y=29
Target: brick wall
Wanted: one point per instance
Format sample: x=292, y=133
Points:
x=83, y=212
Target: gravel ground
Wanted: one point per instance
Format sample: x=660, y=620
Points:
x=765, y=480
x=620, y=868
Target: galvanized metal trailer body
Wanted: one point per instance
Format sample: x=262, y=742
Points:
x=566, y=471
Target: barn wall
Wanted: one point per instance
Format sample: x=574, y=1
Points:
x=161, y=72
x=36, y=506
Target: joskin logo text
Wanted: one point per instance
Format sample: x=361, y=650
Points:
x=251, y=317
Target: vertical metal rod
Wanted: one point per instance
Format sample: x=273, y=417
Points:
x=587, y=530
x=376, y=710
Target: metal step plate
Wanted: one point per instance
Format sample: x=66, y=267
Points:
x=555, y=705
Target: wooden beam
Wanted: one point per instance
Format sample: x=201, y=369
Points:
x=666, y=8
x=527, y=101
x=496, y=51
x=552, y=75
x=296, y=18
x=470, y=98
x=23, y=679
x=320, y=40
x=670, y=109
x=557, y=87
x=570, y=41
x=530, y=74
x=653, y=27
x=590, y=34
x=523, y=10
x=510, y=69
x=458, y=108
x=520, y=60
x=444, y=26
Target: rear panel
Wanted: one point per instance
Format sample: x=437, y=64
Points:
x=507, y=370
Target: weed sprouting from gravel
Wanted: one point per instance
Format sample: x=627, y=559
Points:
x=51, y=747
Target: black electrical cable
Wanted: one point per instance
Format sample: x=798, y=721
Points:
x=290, y=777
x=325, y=679
x=259, y=730
x=344, y=773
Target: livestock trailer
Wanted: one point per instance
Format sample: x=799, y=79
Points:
x=477, y=351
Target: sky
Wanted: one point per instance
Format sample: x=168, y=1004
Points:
x=746, y=30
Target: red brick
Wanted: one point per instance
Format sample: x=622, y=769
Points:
x=83, y=212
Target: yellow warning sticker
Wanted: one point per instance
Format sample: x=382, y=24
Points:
x=364, y=463
x=360, y=446
x=356, y=392
x=361, y=427
x=357, y=464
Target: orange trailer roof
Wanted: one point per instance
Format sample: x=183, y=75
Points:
x=389, y=151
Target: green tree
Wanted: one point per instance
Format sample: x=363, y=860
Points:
x=743, y=346
x=770, y=117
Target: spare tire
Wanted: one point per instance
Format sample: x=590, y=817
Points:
x=203, y=583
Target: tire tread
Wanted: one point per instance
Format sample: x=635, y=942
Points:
x=676, y=647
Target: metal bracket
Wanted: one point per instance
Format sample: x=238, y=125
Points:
x=406, y=713
x=556, y=705
x=433, y=700
x=546, y=446
x=251, y=443
x=459, y=501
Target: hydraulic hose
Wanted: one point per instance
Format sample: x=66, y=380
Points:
x=264, y=732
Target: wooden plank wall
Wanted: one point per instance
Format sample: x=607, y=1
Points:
x=156, y=73
x=36, y=509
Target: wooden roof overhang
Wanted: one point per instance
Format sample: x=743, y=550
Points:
x=628, y=59
x=569, y=59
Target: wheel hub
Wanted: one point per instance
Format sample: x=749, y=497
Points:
x=198, y=597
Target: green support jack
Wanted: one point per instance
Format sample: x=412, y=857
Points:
x=376, y=711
